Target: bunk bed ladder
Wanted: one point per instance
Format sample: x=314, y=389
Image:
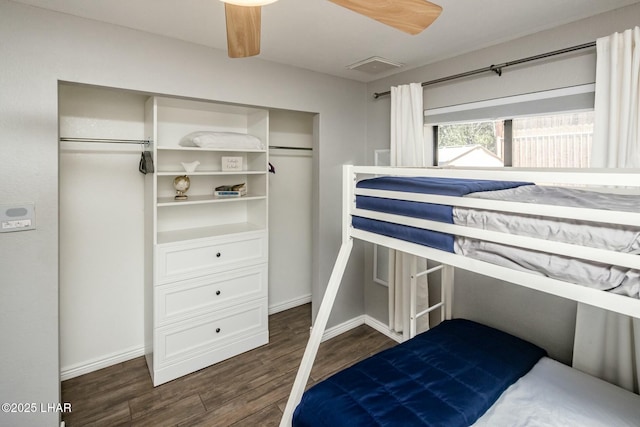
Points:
x=446, y=294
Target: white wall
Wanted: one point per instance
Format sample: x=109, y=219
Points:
x=38, y=49
x=545, y=320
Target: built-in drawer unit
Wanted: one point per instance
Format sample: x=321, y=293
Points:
x=184, y=260
x=206, y=255
x=182, y=341
x=188, y=298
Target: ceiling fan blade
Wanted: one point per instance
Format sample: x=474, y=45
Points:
x=410, y=16
x=243, y=30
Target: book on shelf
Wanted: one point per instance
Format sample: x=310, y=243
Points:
x=236, y=190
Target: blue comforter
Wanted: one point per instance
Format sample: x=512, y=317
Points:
x=448, y=376
x=424, y=185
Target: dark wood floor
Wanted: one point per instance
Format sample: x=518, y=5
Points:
x=248, y=390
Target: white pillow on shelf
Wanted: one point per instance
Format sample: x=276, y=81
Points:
x=207, y=139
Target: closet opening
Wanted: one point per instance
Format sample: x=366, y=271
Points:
x=101, y=228
x=291, y=193
x=105, y=208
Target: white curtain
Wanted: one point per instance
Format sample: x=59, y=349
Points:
x=407, y=149
x=607, y=345
x=615, y=139
x=407, y=126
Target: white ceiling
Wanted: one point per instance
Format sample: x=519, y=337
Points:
x=321, y=36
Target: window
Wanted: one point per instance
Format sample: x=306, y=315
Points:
x=471, y=144
x=542, y=129
x=551, y=141
x=555, y=141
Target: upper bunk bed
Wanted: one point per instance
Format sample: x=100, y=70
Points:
x=569, y=233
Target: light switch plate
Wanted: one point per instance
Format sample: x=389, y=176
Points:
x=17, y=217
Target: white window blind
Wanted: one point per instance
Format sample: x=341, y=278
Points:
x=574, y=98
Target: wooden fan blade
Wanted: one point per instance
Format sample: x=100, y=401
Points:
x=410, y=16
x=243, y=30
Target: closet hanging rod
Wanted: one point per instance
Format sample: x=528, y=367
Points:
x=498, y=68
x=278, y=147
x=146, y=142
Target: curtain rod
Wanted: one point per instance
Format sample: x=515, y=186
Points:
x=108, y=141
x=498, y=68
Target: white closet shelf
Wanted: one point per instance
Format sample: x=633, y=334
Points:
x=206, y=232
x=221, y=150
x=198, y=200
x=211, y=173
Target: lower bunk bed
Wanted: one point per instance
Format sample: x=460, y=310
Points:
x=460, y=372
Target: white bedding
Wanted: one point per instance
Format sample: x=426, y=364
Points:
x=553, y=394
x=605, y=277
x=221, y=140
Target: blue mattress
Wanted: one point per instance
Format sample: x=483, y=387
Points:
x=448, y=376
x=434, y=212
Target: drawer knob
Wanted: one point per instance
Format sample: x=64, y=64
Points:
x=218, y=255
x=217, y=292
x=217, y=330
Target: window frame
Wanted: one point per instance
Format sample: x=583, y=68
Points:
x=554, y=101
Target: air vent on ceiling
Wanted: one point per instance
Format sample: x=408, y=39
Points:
x=374, y=65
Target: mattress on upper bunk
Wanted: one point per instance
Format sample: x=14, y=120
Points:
x=619, y=280
x=623, y=239
x=434, y=212
x=447, y=376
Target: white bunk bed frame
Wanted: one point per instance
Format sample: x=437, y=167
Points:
x=588, y=178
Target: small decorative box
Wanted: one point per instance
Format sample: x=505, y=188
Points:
x=231, y=163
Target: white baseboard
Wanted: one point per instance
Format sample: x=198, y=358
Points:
x=382, y=328
x=357, y=321
x=73, y=371
x=119, y=357
x=286, y=305
x=342, y=328
x=69, y=372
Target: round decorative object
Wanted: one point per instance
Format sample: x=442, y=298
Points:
x=181, y=184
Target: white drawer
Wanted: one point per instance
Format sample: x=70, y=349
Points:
x=184, y=260
x=193, y=297
x=191, y=338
